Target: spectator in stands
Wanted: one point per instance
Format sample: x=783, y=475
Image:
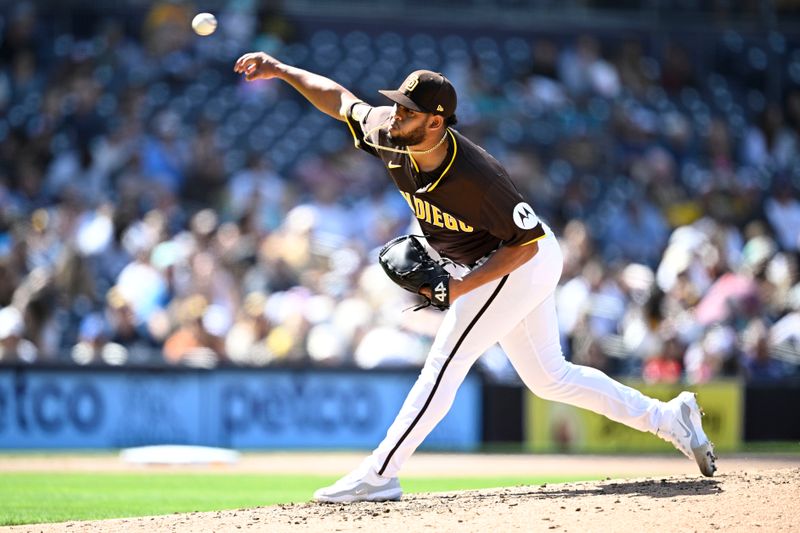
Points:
x=142, y=340
x=165, y=155
x=287, y=311
x=259, y=194
x=544, y=60
x=93, y=346
x=205, y=173
x=197, y=341
x=665, y=364
x=14, y=348
x=782, y=209
x=769, y=143
x=677, y=70
x=638, y=232
x=708, y=357
x=635, y=70
x=23, y=34
x=757, y=363
x=584, y=71
x=246, y=341
x=784, y=335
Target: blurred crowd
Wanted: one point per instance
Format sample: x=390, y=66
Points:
x=156, y=209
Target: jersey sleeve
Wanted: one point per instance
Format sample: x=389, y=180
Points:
x=507, y=216
x=364, y=122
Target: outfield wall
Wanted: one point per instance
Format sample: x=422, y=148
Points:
x=238, y=408
x=110, y=407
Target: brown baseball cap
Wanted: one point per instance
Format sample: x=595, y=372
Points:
x=425, y=91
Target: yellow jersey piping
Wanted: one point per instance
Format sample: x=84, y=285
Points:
x=534, y=240
x=450, y=164
x=356, y=140
x=411, y=157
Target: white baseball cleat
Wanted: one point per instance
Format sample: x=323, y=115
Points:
x=682, y=426
x=360, y=487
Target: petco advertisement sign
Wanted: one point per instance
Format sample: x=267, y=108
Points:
x=81, y=408
x=323, y=410
x=110, y=408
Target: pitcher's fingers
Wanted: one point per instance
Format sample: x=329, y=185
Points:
x=241, y=65
x=242, y=62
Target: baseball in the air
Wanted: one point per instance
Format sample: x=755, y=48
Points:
x=204, y=24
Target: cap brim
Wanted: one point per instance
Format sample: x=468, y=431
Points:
x=400, y=98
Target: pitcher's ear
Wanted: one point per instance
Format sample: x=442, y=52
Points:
x=436, y=122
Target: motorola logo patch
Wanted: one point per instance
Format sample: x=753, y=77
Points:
x=524, y=217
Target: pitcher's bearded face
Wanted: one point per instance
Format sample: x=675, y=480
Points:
x=407, y=127
x=407, y=138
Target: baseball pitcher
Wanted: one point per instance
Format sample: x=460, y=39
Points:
x=494, y=270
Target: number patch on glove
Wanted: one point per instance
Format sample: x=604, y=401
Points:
x=440, y=293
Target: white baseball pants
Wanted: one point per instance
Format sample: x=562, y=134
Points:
x=518, y=311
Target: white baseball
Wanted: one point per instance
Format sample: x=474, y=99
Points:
x=204, y=24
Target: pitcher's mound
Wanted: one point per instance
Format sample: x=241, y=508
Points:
x=734, y=501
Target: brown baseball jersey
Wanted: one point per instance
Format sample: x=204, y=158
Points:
x=467, y=207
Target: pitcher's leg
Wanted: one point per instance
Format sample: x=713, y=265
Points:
x=534, y=349
x=426, y=404
x=466, y=332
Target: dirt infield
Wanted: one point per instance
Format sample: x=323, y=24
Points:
x=751, y=493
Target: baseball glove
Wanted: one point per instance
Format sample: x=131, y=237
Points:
x=408, y=264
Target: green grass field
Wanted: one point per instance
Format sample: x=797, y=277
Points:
x=27, y=498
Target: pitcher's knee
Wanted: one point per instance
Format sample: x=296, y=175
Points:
x=550, y=382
